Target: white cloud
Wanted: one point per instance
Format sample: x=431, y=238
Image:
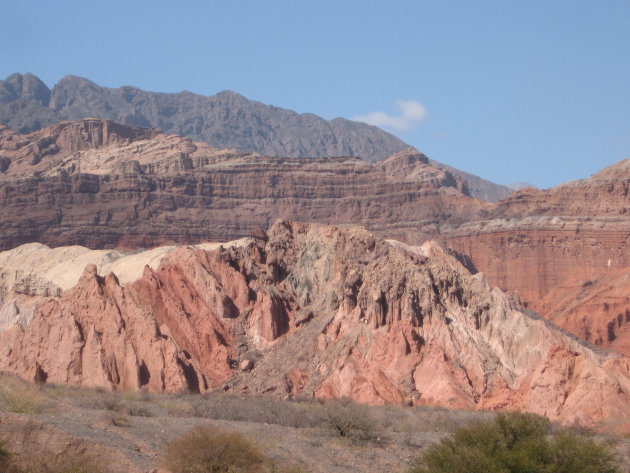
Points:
x=412, y=113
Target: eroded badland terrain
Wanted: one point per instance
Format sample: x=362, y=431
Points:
x=138, y=266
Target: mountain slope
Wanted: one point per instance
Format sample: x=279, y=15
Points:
x=224, y=120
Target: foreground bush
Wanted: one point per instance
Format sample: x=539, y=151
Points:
x=516, y=443
x=210, y=450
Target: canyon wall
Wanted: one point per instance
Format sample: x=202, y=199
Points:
x=93, y=184
x=557, y=246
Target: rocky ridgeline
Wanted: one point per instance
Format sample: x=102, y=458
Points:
x=308, y=310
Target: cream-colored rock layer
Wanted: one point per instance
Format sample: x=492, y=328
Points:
x=37, y=270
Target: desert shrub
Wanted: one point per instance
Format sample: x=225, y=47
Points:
x=210, y=450
x=350, y=420
x=264, y=410
x=119, y=420
x=516, y=443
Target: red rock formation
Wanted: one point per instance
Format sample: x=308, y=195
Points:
x=318, y=311
x=596, y=309
x=546, y=245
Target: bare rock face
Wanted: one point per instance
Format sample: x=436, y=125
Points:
x=564, y=251
x=98, y=184
x=596, y=309
x=324, y=312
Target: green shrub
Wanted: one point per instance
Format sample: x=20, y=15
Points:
x=516, y=443
x=210, y=450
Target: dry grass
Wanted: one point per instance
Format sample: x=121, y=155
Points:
x=208, y=449
x=5, y=455
x=21, y=397
x=41, y=461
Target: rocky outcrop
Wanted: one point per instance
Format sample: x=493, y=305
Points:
x=225, y=120
x=317, y=311
x=477, y=186
x=102, y=185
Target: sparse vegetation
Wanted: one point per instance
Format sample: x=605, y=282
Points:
x=516, y=443
x=350, y=420
x=208, y=449
x=316, y=430
x=20, y=397
x=69, y=464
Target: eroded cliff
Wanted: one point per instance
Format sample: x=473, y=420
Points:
x=316, y=311
x=564, y=251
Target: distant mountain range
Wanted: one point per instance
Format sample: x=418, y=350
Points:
x=224, y=120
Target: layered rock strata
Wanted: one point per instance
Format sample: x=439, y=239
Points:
x=101, y=185
x=564, y=251
x=316, y=311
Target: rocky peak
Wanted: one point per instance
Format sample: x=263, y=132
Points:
x=26, y=87
x=410, y=164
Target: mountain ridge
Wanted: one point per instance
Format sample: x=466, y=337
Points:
x=224, y=120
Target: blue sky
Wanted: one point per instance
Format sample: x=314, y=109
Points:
x=512, y=91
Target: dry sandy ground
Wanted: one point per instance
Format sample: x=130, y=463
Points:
x=129, y=431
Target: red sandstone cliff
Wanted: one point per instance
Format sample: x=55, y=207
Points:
x=565, y=251
x=319, y=311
